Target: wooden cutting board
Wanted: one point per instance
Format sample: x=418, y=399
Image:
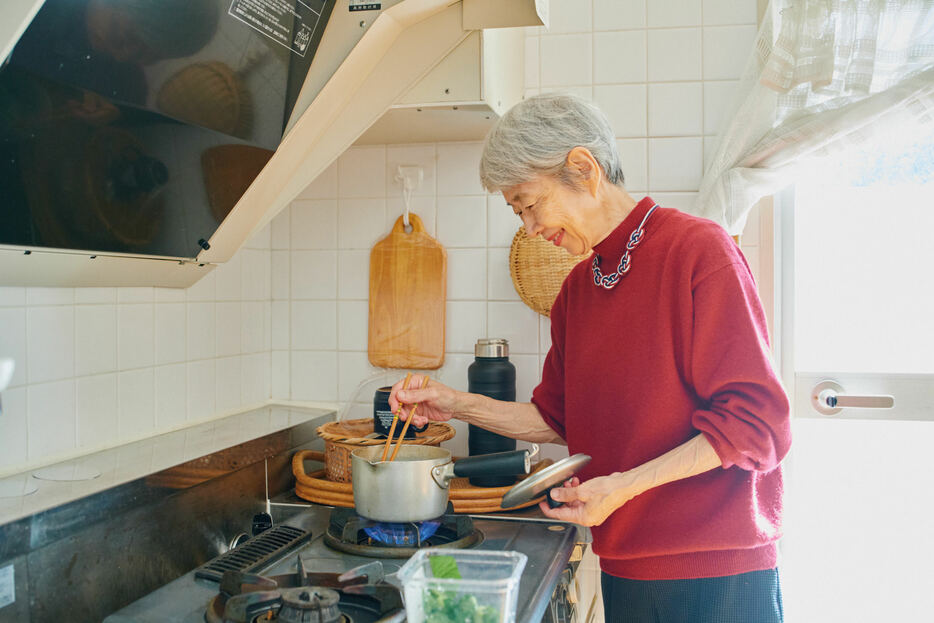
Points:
x=408, y=285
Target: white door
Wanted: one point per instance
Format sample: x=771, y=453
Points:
x=858, y=311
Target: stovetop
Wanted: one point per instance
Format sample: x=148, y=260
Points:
x=547, y=544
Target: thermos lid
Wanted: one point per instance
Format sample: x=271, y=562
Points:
x=491, y=347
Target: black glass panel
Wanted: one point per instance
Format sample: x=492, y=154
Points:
x=135, y=125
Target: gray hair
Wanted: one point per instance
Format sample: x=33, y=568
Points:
x=535, y=136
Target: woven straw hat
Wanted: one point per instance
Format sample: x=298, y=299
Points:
x=538, y=269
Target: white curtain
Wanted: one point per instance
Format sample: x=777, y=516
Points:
x=825, y=76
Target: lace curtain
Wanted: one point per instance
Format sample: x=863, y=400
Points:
x=825, y=78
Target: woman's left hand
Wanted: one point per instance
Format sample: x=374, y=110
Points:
x=591, y=502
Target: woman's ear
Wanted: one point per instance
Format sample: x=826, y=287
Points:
x=585, y=166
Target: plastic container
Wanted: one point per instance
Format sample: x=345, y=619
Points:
x=487, y=591
x=491, y=374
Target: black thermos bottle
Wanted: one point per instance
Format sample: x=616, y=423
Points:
x=492, y=375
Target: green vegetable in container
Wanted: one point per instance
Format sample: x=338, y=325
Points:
x=443, y=606
x=452, y=607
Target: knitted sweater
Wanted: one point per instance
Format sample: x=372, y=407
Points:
x=678, y=347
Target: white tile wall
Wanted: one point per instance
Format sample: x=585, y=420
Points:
x=286, y=317
x=676, y=109
x=619, y=56
x=718, y=101
x=726, y=50
x=625, y=106
x=462, y=221
x=51, y=418
x=570, y=16
x=14, y=423
x=674, y=54
x=96, y=409
x=13, y=340
x=171, y=392
x=675, y=163
x=170, y=333
x=618, y=14
x=671, y=13
x=135, y=336
x=136, y=413
x=97, y=366
x=314, y=224
x=722, y=12
x=566, y=60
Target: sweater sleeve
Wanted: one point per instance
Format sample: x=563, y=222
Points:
x=746, y=414
x=548, y=397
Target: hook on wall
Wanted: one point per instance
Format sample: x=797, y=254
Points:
x=411, y=177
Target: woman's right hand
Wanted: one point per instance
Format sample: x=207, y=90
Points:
x=436, y=403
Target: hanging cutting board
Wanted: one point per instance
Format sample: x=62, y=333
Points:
x=408, y=284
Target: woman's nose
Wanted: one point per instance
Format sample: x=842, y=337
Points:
x=532, y=228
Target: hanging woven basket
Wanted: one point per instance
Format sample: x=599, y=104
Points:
x=538, y=268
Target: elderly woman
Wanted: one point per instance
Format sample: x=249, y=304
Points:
x=659, y=369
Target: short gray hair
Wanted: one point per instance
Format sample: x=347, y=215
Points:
x=535, y=136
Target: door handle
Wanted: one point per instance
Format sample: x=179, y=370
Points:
x=828, y=398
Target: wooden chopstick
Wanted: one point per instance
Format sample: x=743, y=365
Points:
x=395, y=418
x=408, y=421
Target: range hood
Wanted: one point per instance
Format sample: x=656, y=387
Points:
x=373, y=62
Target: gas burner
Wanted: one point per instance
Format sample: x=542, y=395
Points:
x=304, y=597
x=311, y=604
x=349, y=532
x=406, y=534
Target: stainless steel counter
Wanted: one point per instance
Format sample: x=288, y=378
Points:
x=171, y=460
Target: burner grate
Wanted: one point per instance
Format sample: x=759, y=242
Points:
x=253, y=553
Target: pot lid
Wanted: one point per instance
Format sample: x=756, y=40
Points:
x=544, y=479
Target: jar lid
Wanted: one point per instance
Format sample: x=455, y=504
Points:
x=491, y=347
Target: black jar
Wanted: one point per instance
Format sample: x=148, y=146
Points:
x=382, y=416
x=491, y=374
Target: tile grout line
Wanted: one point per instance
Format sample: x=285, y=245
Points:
x=648, y=169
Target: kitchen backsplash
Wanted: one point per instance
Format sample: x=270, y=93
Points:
x=287, y=317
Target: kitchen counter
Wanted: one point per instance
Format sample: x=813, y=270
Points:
x=43, y=504
x=85, y=537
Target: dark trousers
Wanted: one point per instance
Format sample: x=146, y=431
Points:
x=753, y=597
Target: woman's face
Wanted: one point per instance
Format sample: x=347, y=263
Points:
x=551, y=209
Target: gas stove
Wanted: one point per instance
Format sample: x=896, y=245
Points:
x=337, y=566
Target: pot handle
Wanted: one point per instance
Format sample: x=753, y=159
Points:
x=497, y=464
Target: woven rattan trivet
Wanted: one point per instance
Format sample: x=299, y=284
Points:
x=465, y=497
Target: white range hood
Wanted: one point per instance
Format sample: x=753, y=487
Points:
x=367, y=63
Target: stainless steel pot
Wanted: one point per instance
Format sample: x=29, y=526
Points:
x=414, y=487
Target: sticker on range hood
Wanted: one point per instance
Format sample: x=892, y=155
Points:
x=364, y=5
x=290, y=24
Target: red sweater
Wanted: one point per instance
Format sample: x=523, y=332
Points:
x=678, y=347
